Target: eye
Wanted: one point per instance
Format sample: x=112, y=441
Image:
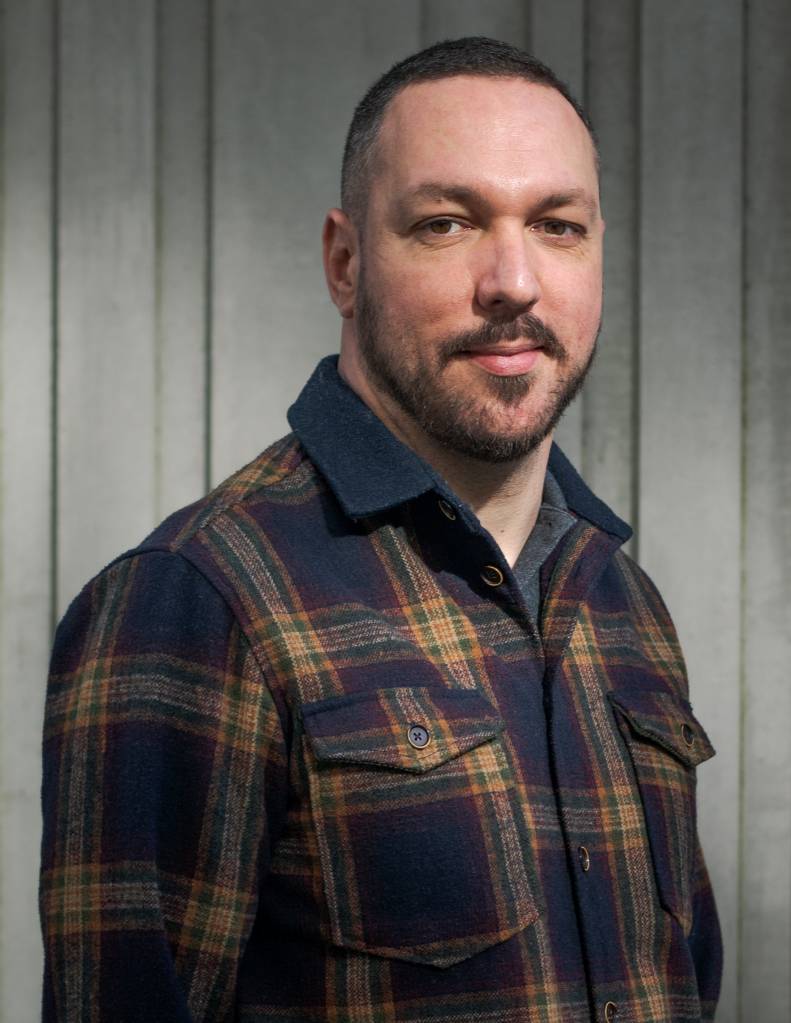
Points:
x=441, y=227
x=561, y=230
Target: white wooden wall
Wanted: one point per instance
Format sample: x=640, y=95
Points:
x=165, y=167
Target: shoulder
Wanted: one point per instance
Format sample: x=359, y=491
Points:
x=233, y=524
x=280, y=471
x=650, y=620
x=145, y=602
x=177, y=576
x=641, y=591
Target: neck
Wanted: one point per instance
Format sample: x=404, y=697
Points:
x=505, y=496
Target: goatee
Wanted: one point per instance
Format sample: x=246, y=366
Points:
x=452, y=418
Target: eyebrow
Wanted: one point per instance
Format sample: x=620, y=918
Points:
x=439, y=191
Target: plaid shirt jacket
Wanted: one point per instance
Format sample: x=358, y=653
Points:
x=307, y=757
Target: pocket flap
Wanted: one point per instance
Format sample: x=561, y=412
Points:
x=410, y=729
x=667, y=720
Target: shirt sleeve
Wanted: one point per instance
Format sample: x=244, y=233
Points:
x=705, y=940
x=164, y=784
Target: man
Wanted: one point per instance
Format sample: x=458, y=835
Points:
x=387, y=727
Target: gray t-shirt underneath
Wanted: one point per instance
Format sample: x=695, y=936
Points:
x=553, y=522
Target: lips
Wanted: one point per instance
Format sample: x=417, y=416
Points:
x=506, y=361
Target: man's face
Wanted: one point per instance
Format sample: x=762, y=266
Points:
x=478, y=296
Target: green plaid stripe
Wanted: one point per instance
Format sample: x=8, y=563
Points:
x=232, y=801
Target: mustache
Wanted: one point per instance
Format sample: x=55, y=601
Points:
x=526, y=327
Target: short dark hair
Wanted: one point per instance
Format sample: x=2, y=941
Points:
x=472, y=55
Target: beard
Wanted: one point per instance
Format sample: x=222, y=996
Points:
x=460, y=421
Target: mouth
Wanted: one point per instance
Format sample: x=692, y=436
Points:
x=506, y=360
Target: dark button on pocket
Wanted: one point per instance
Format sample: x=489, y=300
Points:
x=492, y=575
x=418, y=736
x=657, y=726
x=393, y=822
x=584, y=858
x=610, y=1011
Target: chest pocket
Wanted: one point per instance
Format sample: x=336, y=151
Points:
x=418, y=825
x=666, y=743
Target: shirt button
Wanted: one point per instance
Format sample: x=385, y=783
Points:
x=492, y=575
x=687, y=734
x=446, y=509
x=584, y=857
x=610, y=1011
x=418, y=736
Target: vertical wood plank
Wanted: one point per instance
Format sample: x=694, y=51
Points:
x=287, y=79
x=452, y=19
x=181, y=307
x=766, y=892
x=25, y=485
x=690, y=369
x=106, y=271
x=131, y=334
x=557, y=37
x=609, y=405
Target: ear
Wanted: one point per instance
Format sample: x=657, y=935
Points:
x=340, y=246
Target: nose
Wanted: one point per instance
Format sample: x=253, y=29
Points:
x=506, y=277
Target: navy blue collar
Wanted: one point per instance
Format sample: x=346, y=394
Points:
x=370, y=470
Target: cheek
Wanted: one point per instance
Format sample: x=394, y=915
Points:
x=576, y=300
x=426, y=299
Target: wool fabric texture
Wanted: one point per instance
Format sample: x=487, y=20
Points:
x=307, y=759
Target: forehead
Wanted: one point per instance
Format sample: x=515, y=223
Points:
x=507, y=129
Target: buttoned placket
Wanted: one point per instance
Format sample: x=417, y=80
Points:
x=490, y=575
x=479, y=558
x=483, y=565
x=599, y=930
